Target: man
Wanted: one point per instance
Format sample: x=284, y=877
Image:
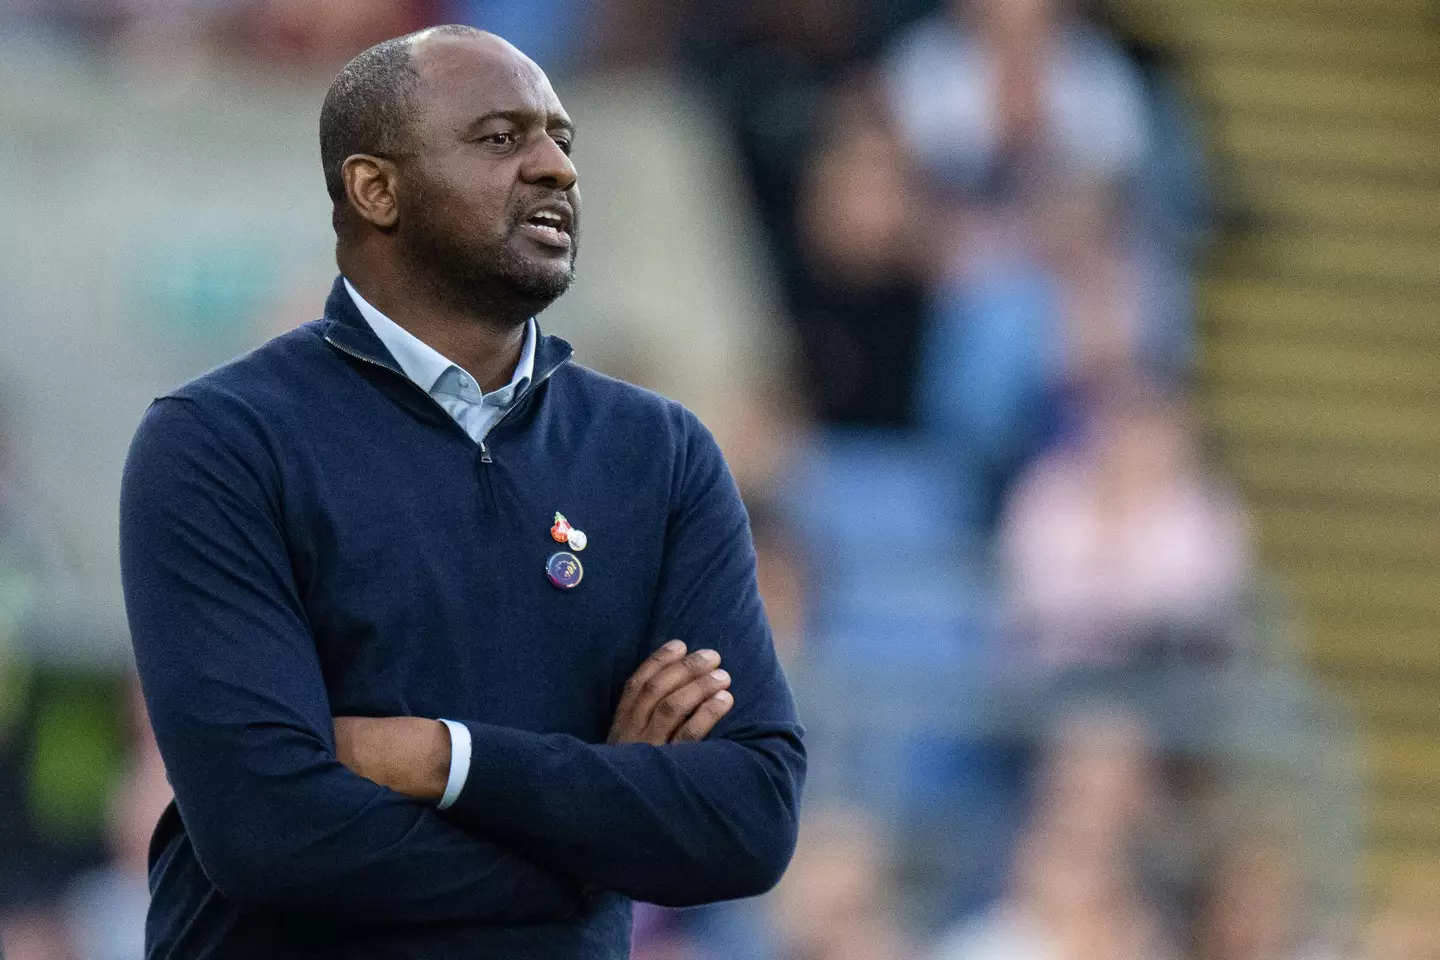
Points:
x=417, y=509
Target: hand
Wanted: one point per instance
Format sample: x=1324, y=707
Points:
x=672, y=698
x=410, y=755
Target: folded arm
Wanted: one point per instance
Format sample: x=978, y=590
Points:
x=684, y=822
x=233, y=683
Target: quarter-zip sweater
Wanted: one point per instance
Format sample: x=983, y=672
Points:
x=305, y=533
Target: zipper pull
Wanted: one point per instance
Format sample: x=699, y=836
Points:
x=485, y=453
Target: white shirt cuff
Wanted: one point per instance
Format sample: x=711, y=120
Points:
x=459, y=762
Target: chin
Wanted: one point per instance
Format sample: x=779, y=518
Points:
x=540, y=275
x=542, y=285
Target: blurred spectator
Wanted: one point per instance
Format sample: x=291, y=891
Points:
x=781, y=570
x=1172, y=192
x=174, y=35
x=835, y=193
x=659, y=934
x=995, y=96
x=856, y=296
x=29, y=929
x=319, y=34
x=1252, y=907
x=1075, y=891
x=1121, y=547
x=769, y=65
x=59, y=758
x=837, y=900
x=60, y=741
x=106, y=906
x=1061, y=242
x=672, y=290
x=553, y=33
x=1035, y=306
x=19, y=558
x=1407, y=924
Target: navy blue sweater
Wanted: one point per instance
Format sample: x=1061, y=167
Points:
x=304, y=533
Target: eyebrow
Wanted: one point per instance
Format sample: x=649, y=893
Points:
x=523, y=118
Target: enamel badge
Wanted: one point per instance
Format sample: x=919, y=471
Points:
x=564, y=570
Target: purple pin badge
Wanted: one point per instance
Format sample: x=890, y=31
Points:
x=564, y=570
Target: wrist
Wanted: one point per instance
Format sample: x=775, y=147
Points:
x=433, y=767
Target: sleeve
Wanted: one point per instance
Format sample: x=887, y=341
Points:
x=233, y=684
x=459, y=763
x=681, y=824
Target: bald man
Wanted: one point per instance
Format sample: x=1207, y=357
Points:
x=429, y=618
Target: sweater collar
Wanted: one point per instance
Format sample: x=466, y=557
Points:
x=346, y=330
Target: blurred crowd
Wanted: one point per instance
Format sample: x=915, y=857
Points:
x=936, y=301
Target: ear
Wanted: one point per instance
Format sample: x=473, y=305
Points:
x=370, y=185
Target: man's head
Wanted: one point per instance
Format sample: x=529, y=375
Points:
x=448, y=151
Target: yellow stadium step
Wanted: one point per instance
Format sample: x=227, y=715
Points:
x=1268, y=35
x=1387, y=705
x=1337, y=260
x=1321, y=476
x=1415, y=14
x=1255, y=417
x=1320, y=92
x=1320, y=358
x=1273, y=309
x=1401, y=830
x=1359, y=150
x=1387, y=595
x=1309, y=531
x=1323, y=203
x=1387, y=866
x=1323, y=369
x=1347, y=648
x=1408, y=760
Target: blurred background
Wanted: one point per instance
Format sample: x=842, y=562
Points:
x=1079, y=362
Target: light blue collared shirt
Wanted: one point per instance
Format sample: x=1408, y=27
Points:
x=476, y=412
x=445, y=381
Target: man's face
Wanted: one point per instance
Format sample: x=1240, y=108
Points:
x=488, y=200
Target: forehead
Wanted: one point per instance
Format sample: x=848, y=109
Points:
x=467, y=76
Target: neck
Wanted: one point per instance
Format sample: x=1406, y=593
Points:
x=483, y=339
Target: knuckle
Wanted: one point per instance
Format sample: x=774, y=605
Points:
x=701, y=661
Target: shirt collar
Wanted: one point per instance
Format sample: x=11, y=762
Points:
x=424, y=364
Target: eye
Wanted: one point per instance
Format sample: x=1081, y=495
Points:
x=504, y=138
x=564, y=143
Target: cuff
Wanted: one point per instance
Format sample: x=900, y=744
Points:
x=460, y=751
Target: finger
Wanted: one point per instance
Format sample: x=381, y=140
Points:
x=667, y=654
x=668, y=680
x=675, y=709
x=704, y=719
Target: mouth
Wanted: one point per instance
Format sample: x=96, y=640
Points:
x=551, y=225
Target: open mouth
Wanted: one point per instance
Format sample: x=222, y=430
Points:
x=549, y=226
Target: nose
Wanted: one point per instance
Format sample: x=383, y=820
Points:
x=547, y=165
